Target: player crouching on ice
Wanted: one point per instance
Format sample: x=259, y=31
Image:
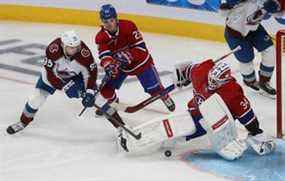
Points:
x=69, y=66
x=244, y=28
x=218, y=101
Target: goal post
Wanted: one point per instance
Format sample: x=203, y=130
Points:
x=280, y=82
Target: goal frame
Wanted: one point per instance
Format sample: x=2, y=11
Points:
x=280, y=36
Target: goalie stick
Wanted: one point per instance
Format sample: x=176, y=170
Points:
x=103, y=82
x=141, y=105
x=238, y=48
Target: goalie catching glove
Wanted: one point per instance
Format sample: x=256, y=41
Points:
x=181, y=74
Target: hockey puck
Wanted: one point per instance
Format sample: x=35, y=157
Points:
x=168, y=153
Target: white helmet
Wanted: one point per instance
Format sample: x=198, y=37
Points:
x=219, y=75
x=70, y=38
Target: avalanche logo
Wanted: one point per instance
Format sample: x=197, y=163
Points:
x=64, y=73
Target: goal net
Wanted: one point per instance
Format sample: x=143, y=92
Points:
x=280, y=84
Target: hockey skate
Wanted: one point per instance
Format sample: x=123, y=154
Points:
x=121, y=140
x=253, y=85
x=261, y=143
x=168, y=102
x=16, y=127
x=265, y=88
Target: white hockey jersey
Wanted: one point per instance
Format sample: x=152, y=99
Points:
x=236, y=18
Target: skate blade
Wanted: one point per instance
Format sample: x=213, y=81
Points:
x=265, y=94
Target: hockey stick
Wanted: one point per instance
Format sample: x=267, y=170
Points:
x=136, y=136
x=141, y=105
x=103, y=82
x=238, y=48
x=144, y=103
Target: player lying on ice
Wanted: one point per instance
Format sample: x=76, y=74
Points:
x=123, y=53
x=69, y=66
x=244, y=28
x=218, y=101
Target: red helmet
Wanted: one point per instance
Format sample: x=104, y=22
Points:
x=219, y=75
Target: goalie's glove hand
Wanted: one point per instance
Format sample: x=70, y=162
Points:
x=256, y=17
x=88, y=98
x=180, y=74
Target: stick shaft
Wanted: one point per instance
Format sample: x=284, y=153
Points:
x=238, y=48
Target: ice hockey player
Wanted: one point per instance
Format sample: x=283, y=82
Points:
x=218, y=101
x=70, y=67
x=243, y=29
x=123, y=52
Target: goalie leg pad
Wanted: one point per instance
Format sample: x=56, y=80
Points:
x=221, y=129
x=155, y=132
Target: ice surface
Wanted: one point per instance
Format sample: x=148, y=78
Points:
x=60, y=146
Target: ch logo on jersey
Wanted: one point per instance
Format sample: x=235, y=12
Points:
x=199, y=99
x=245, y=104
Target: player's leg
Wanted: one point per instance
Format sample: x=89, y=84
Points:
x=152, y=85
x=245, y=57
x=108, y=91
x=263, y=43
x=33, y=104
x=257, y=139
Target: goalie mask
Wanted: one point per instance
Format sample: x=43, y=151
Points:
x=219, y=75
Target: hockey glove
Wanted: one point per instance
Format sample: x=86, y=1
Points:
x=88, y=98
x=112, y=68
x=73, y=88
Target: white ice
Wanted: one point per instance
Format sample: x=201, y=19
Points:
x=60, y=146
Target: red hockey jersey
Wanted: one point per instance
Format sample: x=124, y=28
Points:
x=231, y=93
x=58, y=69
x=127, y=38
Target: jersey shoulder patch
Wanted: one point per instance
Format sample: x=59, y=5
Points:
x=54, y=50
x=85, y=56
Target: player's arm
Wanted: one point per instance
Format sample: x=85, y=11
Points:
x=110, y=65
x=272, y=6
x=90, y=75
x=186, y=72
x=88, y=61
x=241, y=109
x=49, y=62
x=193, y=109
x=269, y=6
x=137, y=45
x=227, y=5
